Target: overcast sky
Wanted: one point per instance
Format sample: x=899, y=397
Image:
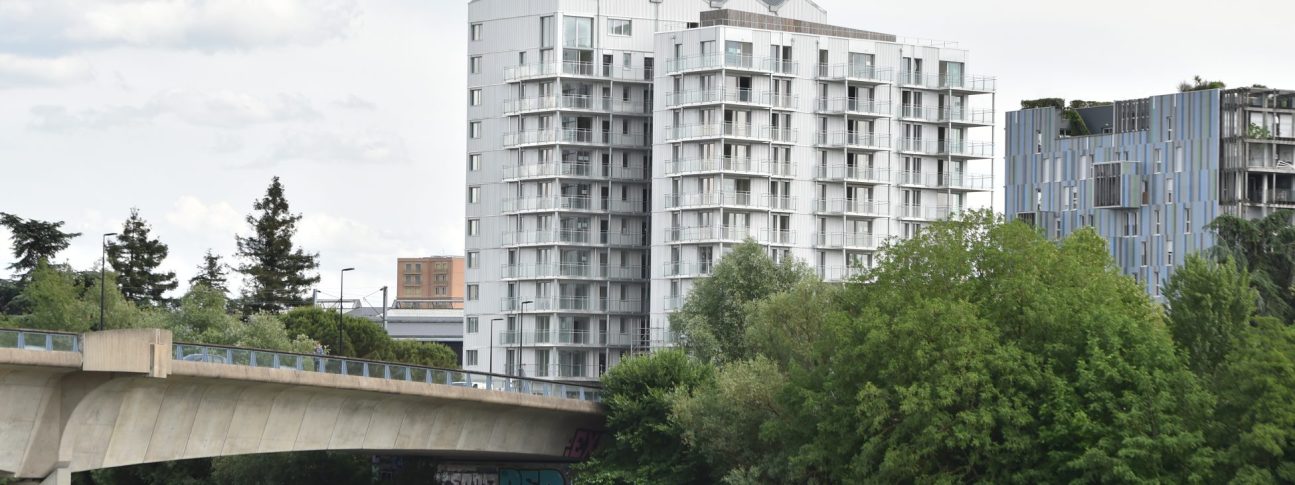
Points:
x=186, y=108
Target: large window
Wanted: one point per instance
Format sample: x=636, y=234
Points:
x=474, y=227
x=476, y=31
x=474, y=65
x=474, y=129
x=470, y=357
x=474, y=293
x=473, y=325
x=474, y=97
x=578, y=32
x=474, y=195
x=473, y=259
x=618, y=27
x=546, y=31
x=474, y=162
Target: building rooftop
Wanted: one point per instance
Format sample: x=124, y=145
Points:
x=737, y=18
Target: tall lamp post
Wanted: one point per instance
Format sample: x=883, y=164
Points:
x=103, y=262
x=341, y=290
x=521, y=323
x=492, y=343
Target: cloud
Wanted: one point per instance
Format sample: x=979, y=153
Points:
x=222, y=109
x=17, y=71
x=193, y=215
x=356, y=103
x=45, y=27
x=227, y=143
x=371, y=147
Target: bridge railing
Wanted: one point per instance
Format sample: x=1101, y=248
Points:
x=220, y=354
x=39, y=340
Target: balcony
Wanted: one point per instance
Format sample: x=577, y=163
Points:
x=576, y=103
x=734, y=234
x=838, y=240
x=840, y=273
x=555, y=337
x=854, y=139
x=706, y=62
x=953, y=181
x=856, y=73
x=577, y=69
x=571, y=203
x=708, y=199
x=570, y=271
x=709, y=130
x=779, y=135
x=687, y=270
x=853, y=207
x=574, y=136
x=853, y=106
x=957, y=149
x=673, y=303
x=731, y=96
x=928, y=212
x=558, y=238
x=734, y=165
x=962, y=84
x=571, y=304
x=852, y=173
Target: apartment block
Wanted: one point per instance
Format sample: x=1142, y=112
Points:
x=618, y=148
x=434, y=282
x=1149, y=174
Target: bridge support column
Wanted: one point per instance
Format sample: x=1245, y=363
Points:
x=60, y=476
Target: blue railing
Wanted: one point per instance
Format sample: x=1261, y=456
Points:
x=39, y=340
x=219, y=354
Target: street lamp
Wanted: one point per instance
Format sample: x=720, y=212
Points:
x=341, y=290
x=103, y=258
x=492, y=343
x=521, y=324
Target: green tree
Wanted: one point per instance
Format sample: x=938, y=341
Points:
x=645, y=446
x=212, y=273
x=1255, y=420
x=1199, y=84
x=34, y=241
x=364, y=339
x=979, y=351
x=1210, y=306
x=54, y=302
x=713, y=320
x=135, y=255
x=430, y=354
x=277, y=274
x=306, y=467
x=724, y=422
x=1265, y=248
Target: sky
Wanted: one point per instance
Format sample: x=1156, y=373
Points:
x=185, y=109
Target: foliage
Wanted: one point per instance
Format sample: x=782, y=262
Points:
x=1258, y=132
x=135, y=256
x=56, y=299
x=9, y=289
x=1265, y=248
x=1255, y=421
x=277, y=274
x=1199, y=84
x=1080, y=104
x=34, y=241
x=1057, y=103
x=429, y=354
x=646, y=446
x=212, y=273
x=979, y=351
x=724, y=422
x=304, y=467
x=1077, y=125
x=364, y=339
x=1210, y=305
x=713, y=320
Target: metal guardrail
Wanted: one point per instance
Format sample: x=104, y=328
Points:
x=39, y=340
x=218, y=354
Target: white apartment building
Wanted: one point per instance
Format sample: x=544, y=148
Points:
x=593, y=203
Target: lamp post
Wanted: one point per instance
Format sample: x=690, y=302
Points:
x=341, y=290
x=492, y=343
x=103, y=262
x=521, y=323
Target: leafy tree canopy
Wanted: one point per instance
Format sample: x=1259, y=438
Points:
x=212, y=273
x=34, y=241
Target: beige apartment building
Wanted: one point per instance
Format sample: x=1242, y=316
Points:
x=429, y=282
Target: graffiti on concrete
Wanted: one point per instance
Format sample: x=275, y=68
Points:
x=582, y=444
x=530, y=477
x=464, y=475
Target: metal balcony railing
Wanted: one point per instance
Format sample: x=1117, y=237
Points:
x=853, y=173
x=742, y=165
x=732, y=61
x=854, y=139
x=855, y=73
x=688, y=270
x=853, y=106
x=41, y=340
x=580, y=69
x=854, y=207
x=293, y=362
x=707, y=233
x=848, y=240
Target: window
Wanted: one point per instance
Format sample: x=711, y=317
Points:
x=473, y=259
x=618, y=27
x=1178, y=159
x=1169, y=252
x=474, y=97
x=1145, y=253
x=578, y=32
x=474, y=65
x=521, y=58
x=546, y=31
x=1156, y=213
x=441, y=291
x=1169, y=191
x=474, y=129
x=1187, y=220
x=474, y=195
x=473, y=325
x=474, y=293
x=476, y=31
x=1156, y=277
x=470, y=357
x=474, y=162
x=474, y=227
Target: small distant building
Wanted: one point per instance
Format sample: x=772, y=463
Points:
x=440, y=325
x=433, y=282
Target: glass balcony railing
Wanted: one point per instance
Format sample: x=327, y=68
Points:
x=857, y=106
x=852, y=173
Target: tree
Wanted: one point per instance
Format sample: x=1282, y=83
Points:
x=1199, y=84
x=364, y=339
x=1255, y=420
x=723, y=422
x=54, y=303
x=135, y=256
x=713, y=320
x=276, y=273
x=302, y=467
x=1265, y=249
x=212, y=273
x=1210, y=306
x=979, y=351
x=34, y=241
x=645, y=446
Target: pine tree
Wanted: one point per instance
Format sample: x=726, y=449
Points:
x=276, y=275
x=135, y=256
x=212, y=273
x=34, y=241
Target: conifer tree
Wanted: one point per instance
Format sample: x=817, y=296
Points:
x=135, y=255
x=276, y=274
x=212, y=273
x=34, y=241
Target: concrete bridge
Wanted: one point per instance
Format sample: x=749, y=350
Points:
x=71, y=403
